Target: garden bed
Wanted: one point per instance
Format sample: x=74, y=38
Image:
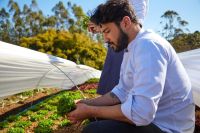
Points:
x=43, y=116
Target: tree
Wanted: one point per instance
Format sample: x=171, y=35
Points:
x=4, y=26
x=79, y=15
x=173, y=25
x=61, y=15
x=17, y=20
x=36, y=19
x=49, y=22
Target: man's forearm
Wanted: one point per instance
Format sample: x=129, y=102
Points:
x=109, y=112
x=104, y=100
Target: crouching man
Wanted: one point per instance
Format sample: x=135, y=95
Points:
x=154, y=92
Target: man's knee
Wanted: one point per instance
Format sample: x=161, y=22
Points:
x=91, y=128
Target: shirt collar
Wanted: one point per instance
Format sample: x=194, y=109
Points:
x=130, y=45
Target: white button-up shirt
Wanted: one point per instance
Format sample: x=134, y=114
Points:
x=154, y=86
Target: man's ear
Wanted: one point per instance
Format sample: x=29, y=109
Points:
x=126, y=22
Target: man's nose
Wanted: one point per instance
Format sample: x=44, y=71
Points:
x=106, y=38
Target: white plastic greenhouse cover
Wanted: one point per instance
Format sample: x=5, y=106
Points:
x=191, y=62
x=22, y=69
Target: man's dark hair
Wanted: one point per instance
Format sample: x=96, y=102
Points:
x=113, y=11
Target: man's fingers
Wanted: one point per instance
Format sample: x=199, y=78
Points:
x=77, y=101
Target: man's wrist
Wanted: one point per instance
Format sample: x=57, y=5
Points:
x=92, y=111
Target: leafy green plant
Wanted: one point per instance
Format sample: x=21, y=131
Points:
x=42, y=112
x=50, y=107
x=45, y=123
x=22, y=124
x=16, y=130
x=74, y=95
x=43, y=130
x=36, y=117
x=54, y=117
x=92, y=80
x=27, y=93
x=53, y=102
x=65, y=122
x=65, y=105
x=44, y=126
x=26, y=113
x=91, y=91
x=35, y=108
x=13, y=118
x=3, y=124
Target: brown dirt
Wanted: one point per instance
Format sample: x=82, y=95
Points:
x=17, y=107
x=70, y=129
x=86, y=86
x=11, y=109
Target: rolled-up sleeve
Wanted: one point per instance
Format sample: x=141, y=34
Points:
x=150, y=64
x=120, y=91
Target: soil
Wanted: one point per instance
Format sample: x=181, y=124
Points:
x=14, y=108
x=18, y=107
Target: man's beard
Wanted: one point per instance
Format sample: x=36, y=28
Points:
x=122, y=41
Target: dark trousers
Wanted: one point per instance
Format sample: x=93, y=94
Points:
x=112, y=126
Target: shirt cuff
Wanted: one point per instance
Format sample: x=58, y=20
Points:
x=126, y=108
x=119, y=93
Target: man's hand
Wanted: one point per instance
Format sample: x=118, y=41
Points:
x=93, y=28
x=81, y=113
x=85, y=101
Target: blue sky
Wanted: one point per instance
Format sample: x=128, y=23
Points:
x=188, y=10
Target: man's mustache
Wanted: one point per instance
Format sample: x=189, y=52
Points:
x=110, y=43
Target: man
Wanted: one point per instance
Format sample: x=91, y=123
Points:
x=154, y=92
x=111, y=70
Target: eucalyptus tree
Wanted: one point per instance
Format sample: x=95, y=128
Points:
x=35, y=18
x=79, y=16
x=49, y=22
x=173, y=24
x=4, y=26
x=61, y=14
x=17, y=29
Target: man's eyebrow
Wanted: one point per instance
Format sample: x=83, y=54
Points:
x=105, y=29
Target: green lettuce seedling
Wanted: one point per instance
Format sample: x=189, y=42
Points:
x=65, y=105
